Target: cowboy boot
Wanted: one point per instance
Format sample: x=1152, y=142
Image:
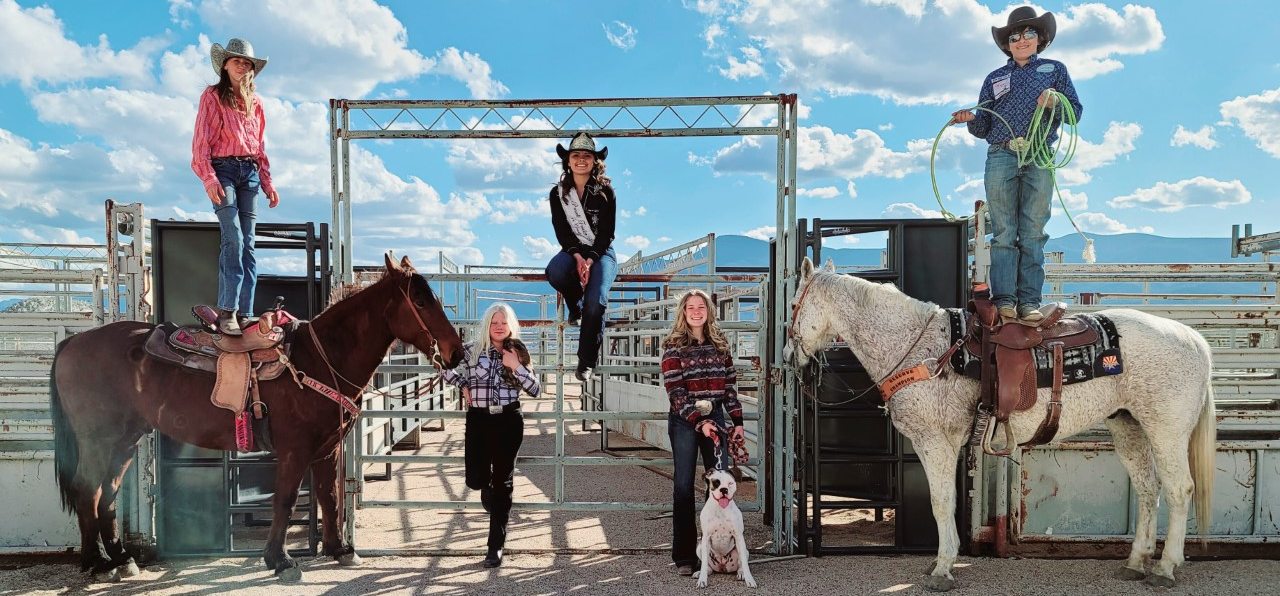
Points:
x=228, y=324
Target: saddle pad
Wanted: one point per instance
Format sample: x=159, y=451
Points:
x=1084, y=363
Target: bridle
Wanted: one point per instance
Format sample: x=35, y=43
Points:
x=437, y=361
x=897, y=379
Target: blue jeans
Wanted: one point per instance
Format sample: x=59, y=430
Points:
x=237, y=267
x=686, y=444
x=589, y=302
x=1018, y=199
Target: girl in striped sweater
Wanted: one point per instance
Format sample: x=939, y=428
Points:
x=697, y=369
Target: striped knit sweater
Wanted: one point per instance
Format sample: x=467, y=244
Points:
x=700, y=372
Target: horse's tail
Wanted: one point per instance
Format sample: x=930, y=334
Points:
x=1202, y=450
x=66, y=448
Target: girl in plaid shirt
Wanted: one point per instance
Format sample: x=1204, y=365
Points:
x=495, y=427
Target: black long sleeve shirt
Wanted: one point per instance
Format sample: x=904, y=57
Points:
x=600, y=208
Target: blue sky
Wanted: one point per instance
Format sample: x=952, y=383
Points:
x=1180, y=135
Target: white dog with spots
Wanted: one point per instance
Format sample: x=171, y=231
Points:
x=722, y=548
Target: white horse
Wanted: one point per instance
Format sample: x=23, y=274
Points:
x=1164, y=433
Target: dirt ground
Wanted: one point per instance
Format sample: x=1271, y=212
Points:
x=579, y=552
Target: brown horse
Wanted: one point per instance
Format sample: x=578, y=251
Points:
x=106, y=393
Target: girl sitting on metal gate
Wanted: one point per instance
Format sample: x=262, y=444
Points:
x=697, y=370
x=492, y=376
x=229, y=156
x=583, y=210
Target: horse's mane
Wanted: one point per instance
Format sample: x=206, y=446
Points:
x=873, y=295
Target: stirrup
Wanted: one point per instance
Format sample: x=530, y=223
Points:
x=989, y=433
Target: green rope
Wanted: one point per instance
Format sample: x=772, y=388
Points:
x=1037, y=151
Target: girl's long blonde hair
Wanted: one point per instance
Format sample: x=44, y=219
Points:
x=681, y=337
x=483, y=341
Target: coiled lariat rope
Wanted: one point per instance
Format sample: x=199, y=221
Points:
x=1035, y=151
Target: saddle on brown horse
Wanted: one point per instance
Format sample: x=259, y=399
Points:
x=1006, y=350
x=238, y=364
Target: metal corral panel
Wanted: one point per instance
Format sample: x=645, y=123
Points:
x=1082, y=490
x=622, y=396
x=33, y=519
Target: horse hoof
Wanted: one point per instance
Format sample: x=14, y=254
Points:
x=1160, y=581
x=110, y=576
x=350, y=559
x=129, y=569
x=1129, y=575
x=289, y=575
x=938, y=583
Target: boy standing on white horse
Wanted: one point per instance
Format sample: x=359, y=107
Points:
x=1018, y=191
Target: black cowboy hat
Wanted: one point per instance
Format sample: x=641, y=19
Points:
x=1020, y=18
x=582, y=142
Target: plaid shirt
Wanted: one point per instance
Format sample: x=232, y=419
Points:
x=484, y=380
x=700, y=372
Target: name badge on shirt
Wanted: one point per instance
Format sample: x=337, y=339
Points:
x=999, y=87
x=495, y=409
x=1044, y=68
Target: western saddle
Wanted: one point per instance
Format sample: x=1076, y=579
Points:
x=239, y=364
x=1008, y=366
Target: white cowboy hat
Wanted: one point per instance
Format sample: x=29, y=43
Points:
x=235, y=47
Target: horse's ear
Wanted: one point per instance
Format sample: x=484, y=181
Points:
x=830, y=266
x=406, y=265
x=391, y=262
x=806, y=268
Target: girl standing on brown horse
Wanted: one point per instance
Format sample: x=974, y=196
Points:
x=229, y=155
x=106, y=392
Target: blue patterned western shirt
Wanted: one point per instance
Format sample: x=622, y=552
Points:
x=485, y=382
x=1011, y=91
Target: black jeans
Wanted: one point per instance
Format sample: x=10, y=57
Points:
x=492, y=442
x=686, y=443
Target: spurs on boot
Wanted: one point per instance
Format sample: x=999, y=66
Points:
x=582, y=372
x=493, y=558
x=228, y=324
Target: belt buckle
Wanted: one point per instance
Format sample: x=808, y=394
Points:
x=495, y=409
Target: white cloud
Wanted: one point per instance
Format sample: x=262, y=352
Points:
x=473, y=71
x=823, y=152
x=638, y=212
x=1075, y=200
x=664, y=239
x=540, y=248
x=620, y=35
x=851, y=189
x=761, y=233
x=637, y=242
x=1119, y=140
x=713, y=31
x=823, y=192
x=909, y=210
x=749, y=67
x=1202, y=138
x=844, y=48
x=40, y=51
x=511, y=210
x=1101, y=224
x=641, y=211
x=1258, y=116
x=504, y=165
x=506, y=256
x=886, y=127
x=1192, y=192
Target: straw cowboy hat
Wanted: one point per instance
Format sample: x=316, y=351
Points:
x=1021, y=18
x=581, y=142
x=235, y=47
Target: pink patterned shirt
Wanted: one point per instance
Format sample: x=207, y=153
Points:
x=221, y=132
